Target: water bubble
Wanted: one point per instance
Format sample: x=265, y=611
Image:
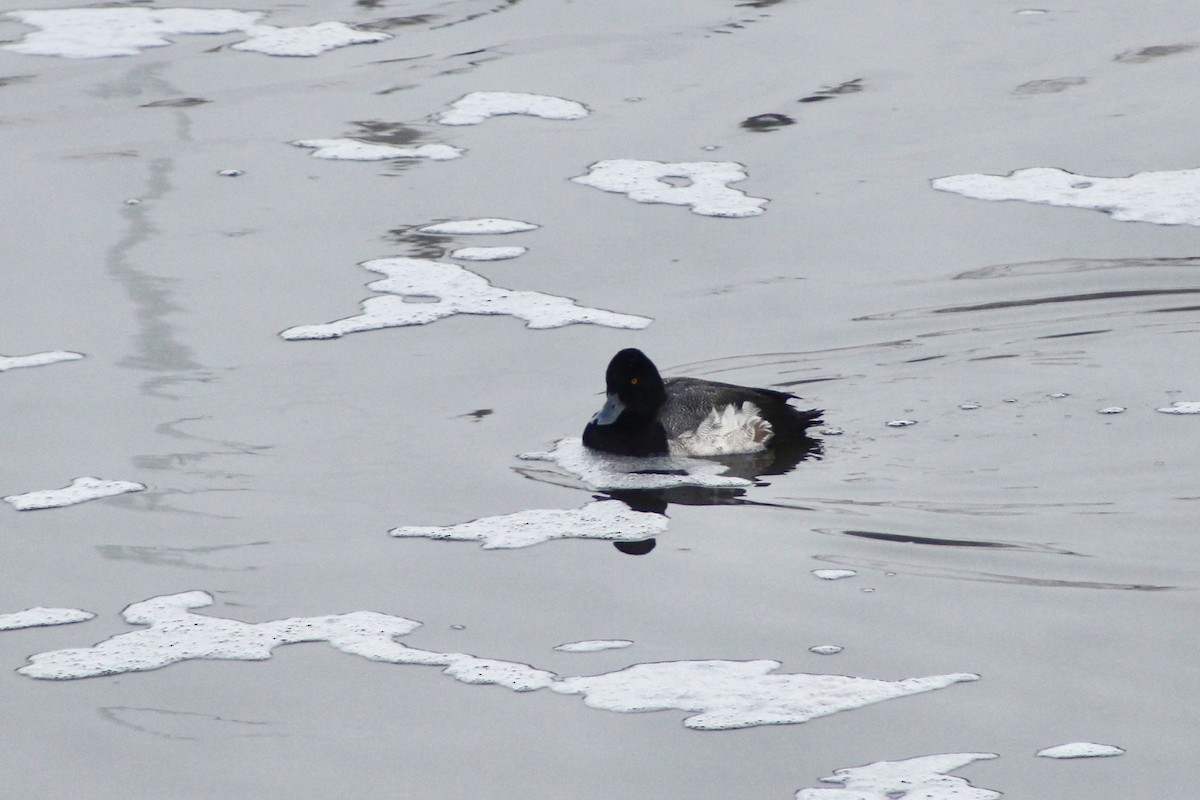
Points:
x=1059, y=395
x=230, y=173
x=826, y=649
x=968, y=406
x=831, y=431
x=901, y=423
x=1110, y=410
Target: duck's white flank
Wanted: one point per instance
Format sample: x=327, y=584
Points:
x=726, y=431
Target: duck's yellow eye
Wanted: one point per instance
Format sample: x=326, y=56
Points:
x=633, y=381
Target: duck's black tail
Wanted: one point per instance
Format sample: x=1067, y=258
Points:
x=790, y=422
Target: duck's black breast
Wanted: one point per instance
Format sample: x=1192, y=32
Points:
x=627, y=438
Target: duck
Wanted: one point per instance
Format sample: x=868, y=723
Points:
x=645, y=415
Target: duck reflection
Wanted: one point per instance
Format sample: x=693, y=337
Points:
x=750, y=466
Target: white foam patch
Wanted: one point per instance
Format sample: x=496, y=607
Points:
x=1164, y=198
x=80, y=491
x=483, y=225
x=107, y=32
x=475, y=107
x=488, y=253
x=594, y=645
x=354, y=150
x=723, y=695
x=1081, y=750
x=718, y=694
x=174, y=635
x=307, y=41
x=1182, y=407
x=454, y=290
x=609, y=520
x=923, y=777
x=38, y=359
x=37, y=617
x=834, y=574
x=708, y=193
x=605, y=471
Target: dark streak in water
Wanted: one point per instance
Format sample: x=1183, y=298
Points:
x=390, y=23
x=924, y=571
x=1174, y=309
x=1076, y=333
x=789, y=384
x=1060, y=266
x=176, y=102
x=909, y=538
x=1154, y=51
x=171, y=556
x=1062, y=298
x=504, y=6
x=830, y=92
x=188, y=722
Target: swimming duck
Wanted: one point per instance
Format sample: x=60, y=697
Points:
x=647, y=416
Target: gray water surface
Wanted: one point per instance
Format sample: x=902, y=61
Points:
x=1025, y=538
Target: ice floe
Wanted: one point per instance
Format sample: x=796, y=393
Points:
x=1080, y=750
x=475, y=107
x=38, y=359
x=724, y=695
x=716, y=694
x=708, y=192
x=106, y=32
x=483, y=225
x=457, y=291
x=609, y=520
x=606, y=472
x=1182, y=407
x=1165, y=198
x=922, y=777
x=594, y=645
x=37, y=617
x=80, y=491
x=488, y=253
x=355, y=150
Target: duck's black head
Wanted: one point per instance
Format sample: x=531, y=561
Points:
x=634, y=380
x=628, y=424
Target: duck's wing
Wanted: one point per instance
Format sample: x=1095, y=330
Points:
x=693, y=401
